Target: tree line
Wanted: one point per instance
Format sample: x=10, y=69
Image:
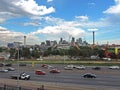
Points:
x=84, y=51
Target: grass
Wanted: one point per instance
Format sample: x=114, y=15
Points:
x=77, y=62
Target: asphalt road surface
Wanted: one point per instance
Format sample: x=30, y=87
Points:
x=105, y=77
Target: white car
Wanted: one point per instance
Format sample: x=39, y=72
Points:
x=68, y=68
x=114, y=67
x=4, y=70
x=81, y=67
x=11, y=69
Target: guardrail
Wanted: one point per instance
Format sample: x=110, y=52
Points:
x=9, y=87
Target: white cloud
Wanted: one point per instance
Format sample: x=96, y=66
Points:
x=32, y=7
x=92, y=3
x=77, y=28
x=92, y=29
x=63, y=30
x=113, y=14
x=7, y=36
x=82, y=18
x=31, y=24
x=114, y=9
x=17, y=8
x=49, y=0
x=2, y=29
x=2, y=20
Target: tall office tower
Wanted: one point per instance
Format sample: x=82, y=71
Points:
x=79, y=41
x=48, y=43
x=61, y=41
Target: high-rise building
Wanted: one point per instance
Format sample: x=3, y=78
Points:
x=61, y=40
x=48, y=43
x=53, y=43
x=79, y=41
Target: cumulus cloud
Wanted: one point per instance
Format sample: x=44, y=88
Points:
x=7, y=36
x=60, y=28
x=82, y=18
x=32, y=7
x=17, y=8
x=63, y=30
x=113, y=13
x=2, y=29
x=114, y=9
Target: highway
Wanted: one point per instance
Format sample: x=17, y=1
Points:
x=105, y=77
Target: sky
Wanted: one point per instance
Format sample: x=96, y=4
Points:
x=41, y=20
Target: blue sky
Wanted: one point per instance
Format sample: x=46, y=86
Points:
x=41, y=20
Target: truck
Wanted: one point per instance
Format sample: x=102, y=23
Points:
x=22, y=76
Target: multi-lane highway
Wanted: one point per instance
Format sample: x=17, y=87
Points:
x=105, y=77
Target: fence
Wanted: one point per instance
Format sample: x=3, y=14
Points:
x=8, y=87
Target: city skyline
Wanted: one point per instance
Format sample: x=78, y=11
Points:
x=41, y=20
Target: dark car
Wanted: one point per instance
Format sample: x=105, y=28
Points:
x=8, y=64
x=96, y=68
x=22, y=76
x=22, y=64
x=89, y=75
x=1, y=64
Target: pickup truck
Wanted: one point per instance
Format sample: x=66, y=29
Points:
x=22, y=76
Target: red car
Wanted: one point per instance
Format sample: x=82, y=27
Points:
x=40, y=72
x=54, y=71
x=43, y=65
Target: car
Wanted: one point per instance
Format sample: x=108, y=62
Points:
x=22, y=64
x=1, y=64
x=89, y=75
x=96, y=68
x=3, y=70
x=40, y=72
x=8, y=64
x=68, y=68
x=46, y=66
x=39, y=59
x=54, y=71
x=81, y=67
x=11, y=69
x=114, y=67
x=22, y=76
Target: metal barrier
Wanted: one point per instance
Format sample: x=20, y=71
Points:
x=8, y=87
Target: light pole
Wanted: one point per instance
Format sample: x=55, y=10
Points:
x=18, y=54
x=18, y=69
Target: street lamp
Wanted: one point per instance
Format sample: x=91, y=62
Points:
x=18, y=71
